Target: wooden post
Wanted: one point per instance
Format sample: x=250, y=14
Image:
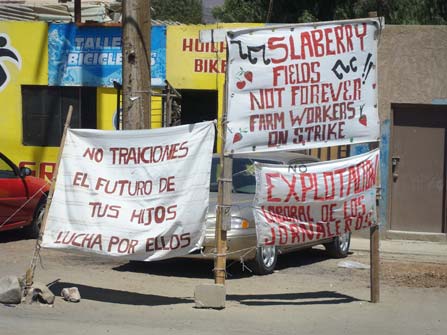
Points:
x=29, y=277
x=375, y=264
x=77, y=11
x=223, y=217
x=374, y=239
x=136, y=44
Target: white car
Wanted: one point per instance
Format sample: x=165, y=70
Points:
x=241, y=238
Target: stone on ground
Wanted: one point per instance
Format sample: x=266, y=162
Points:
x=10, y=290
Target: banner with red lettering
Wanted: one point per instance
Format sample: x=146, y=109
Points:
x=316, y=201
x=136, y=194
x=302, y=86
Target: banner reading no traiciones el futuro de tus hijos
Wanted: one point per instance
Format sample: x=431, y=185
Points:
x=310, y=202
x=136, y=194
x=303, y=86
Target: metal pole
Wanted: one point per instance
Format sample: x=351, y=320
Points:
x=168, y=106
x=136, y=64
x=29, y=277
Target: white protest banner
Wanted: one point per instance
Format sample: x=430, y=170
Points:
x=137, y=194
x=303, y=86
x=316, y=201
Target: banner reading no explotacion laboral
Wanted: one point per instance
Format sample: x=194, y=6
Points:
x=301, y=87
x=137, y=194
x=310, y=202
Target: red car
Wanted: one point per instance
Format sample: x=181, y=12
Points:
x=22, y=198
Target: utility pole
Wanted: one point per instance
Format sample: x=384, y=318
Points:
x=77, y=11
x=136, y=45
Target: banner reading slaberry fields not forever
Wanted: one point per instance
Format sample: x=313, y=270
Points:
x=302, y=86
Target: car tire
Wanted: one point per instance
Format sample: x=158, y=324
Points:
x=265, y=260
x=34, y=228
x=339, y=246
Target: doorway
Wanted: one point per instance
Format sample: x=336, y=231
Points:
x=198, y=106
x=418, y=168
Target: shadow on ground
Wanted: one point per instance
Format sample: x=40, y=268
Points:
x=301, y=258
x=13, y=236
x=138, y=299
x=117, y=296
x=171, y=268
x=305, y=298
x=196, y=268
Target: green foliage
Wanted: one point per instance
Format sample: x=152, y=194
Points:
x=242, y=11
x=296, y=11
x=416, y=11
x=183, y=11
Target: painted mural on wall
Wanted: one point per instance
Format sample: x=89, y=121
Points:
x=9, y=54
x=91, y=56
x=23, y=61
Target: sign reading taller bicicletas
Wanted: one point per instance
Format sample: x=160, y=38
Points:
x=92, y=56
x=303, y=86
x=136, y=194
x=318, y=201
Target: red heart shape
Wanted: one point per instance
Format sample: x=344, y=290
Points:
x=249, y=76
x=237, y=137
x=240, y=84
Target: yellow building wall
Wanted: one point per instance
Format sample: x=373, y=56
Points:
x=193, y=65
x=105, y=107
x=30, y=40
x=190, y=65
x=106, y=102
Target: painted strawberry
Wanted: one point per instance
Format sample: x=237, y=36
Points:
x=240, y=84
x=237, y=137
x=248, y=75
x=363, y=120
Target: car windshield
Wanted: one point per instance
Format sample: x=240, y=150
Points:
x=6, y=171
x=244, y=180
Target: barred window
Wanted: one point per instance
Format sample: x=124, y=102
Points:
x=45, y=108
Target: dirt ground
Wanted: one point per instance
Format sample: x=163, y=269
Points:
x=308, y=294
x=402, y=272
x=414, y=275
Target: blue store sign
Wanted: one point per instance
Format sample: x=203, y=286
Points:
x=91, y=56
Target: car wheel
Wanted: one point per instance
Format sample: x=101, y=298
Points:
x=265, y=260
x=34, y=228
x=339, y=247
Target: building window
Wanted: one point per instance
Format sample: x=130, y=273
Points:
x=45, y=108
